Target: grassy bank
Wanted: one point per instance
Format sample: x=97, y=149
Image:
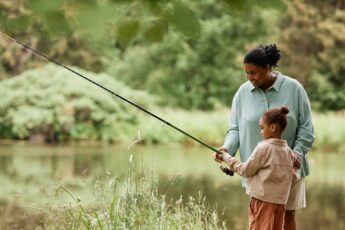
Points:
x=211, y=127
x=95, y=188
x=330, y=131
x=134, y=203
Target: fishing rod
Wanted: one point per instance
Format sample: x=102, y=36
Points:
x=44, y=56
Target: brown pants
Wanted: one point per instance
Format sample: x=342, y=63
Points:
x=265, y=216
x=290, y=220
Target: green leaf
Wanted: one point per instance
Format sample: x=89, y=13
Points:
x=127, y=30
x=2, y=19
x=275, y=4
x=241, y=6
x=93, y=20
x=122, y=1
x=185, y=20
x=42, y=6
x=57, y=23
x=155, y=32
x=237, y=5
x=18, y=24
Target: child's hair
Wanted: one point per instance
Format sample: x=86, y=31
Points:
x=276, y=116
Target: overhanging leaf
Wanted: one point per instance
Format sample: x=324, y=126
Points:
x=237, y=5
x=93, y=20
x=57, y=22
x=155, y=32
x=18, y=24
x=127, y=29
x=185, y=20
x=275, y=4
x=42, y=6
x=241, y=6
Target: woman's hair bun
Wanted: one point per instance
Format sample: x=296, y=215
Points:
x=284, y=110
x=273, y=54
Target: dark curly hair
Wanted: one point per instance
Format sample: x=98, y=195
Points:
x=263, y=55
x=277, y=116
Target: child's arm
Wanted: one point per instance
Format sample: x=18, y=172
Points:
x=246, y=169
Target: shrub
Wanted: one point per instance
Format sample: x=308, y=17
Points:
x=56, y=104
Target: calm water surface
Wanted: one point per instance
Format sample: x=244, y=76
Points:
x=34, y=166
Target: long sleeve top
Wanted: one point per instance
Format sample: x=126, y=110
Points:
x=249, y=103
x=269, y=170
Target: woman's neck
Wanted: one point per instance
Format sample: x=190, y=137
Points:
x=272, y=78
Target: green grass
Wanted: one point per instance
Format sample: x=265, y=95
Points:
x=134, y=203
x=330, y=131
x=139, y=200
x=211, y=128
x=100, y=201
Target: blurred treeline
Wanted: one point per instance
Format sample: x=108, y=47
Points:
x=185, y=54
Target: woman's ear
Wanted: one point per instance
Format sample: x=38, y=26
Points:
x=268, y=68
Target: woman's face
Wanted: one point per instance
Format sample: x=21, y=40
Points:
x=257, y=75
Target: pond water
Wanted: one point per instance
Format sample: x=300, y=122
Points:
x=26, y=169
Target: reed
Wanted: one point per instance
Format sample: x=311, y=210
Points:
x=137, y=204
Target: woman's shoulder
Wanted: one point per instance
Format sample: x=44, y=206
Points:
x=245, y=87
x=289, y=80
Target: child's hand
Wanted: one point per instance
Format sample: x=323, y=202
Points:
x=218, y=156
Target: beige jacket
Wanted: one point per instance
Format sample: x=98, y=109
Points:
x=269, y=170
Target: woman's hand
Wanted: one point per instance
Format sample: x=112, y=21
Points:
x=296, y=160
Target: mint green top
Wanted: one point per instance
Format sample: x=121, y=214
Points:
x=249, y=103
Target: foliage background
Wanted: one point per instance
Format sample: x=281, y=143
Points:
x=177, y=54
x=180, y=59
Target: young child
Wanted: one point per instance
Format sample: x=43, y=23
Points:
x=269, y=170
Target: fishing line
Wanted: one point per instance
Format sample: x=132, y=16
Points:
x=42, y=55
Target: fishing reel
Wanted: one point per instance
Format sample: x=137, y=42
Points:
x=226, y=170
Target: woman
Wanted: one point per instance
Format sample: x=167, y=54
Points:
x=267, y=89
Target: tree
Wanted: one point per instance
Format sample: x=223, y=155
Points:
x=82, y=32
x=195, y=73
x=313, y=44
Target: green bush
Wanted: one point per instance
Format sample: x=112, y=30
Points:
x=57, y=104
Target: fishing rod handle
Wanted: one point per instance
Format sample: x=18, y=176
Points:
x=225, y=170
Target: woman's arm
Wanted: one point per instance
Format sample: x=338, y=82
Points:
x=231, y=142
x=305, y=131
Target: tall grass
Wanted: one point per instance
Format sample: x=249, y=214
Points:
x=330, y=131
x=139, y=205
x=211, y=127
